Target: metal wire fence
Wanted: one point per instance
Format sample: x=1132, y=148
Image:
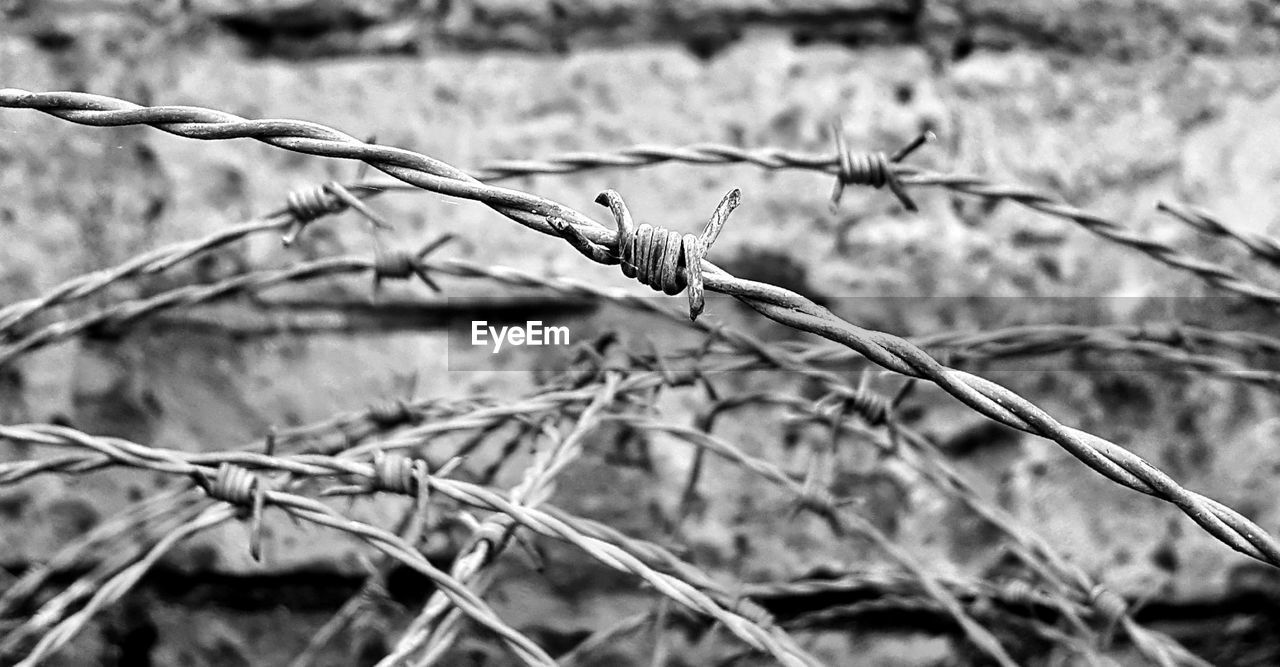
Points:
x=383, y=449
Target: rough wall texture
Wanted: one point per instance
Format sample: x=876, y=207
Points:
x=1114, y=105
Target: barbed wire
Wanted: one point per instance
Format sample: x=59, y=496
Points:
x=841, y=522
x=685, y=575
x=828, y=163
x=149, y=263
x=1159, y=342
x=784, y=306
x=556, y=525
x=433, y=630
x=114, y=588
x=1261, y=246
x=647, y=302
x=979, y=387
x=922, y=456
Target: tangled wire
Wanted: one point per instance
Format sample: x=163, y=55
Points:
x=656, y=257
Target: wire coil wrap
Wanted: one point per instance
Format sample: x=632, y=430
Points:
x=397, y=473
x=667, y=261
x=312, y=202
x=308, y=204
x=873, y=169
x=239, y=486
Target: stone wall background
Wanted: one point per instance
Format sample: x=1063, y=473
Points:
x=1115, y=105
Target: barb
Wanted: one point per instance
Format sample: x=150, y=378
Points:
x=557, y=525
x=1261, y=245
x=784, y=306
x=402, y=265
x=658, y=258
x=434, y=628
x=239, y=488
x=306, y=205
x=873, y=169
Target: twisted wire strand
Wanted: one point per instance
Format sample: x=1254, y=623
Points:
x=771, y=640
x=1049, y=204
x=928, y=462
x=149, y=263
x=561, y=393
x=1134, y=630
x=1210, y=272
x=57, y=608
x=127, y=312
x=120, y=452
x=776, y=159
x=979, y=636
x=236, y=487
x=1030, y=547
x=1166, y=342
x=776, y=303
x=122, y=583
x=133, y=520
x=1161, y=341
x=433, y=629
x=392, y=545
x=1264, y=247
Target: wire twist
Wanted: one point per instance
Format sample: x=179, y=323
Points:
x=311, y=203
x=402, y=264
x=240, y=487
x=1262, y=246
x=873, y=169
x=891, y=352
x=1110, y=605
x=391, y=413
x=662, y=259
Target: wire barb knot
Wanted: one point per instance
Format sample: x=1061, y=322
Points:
x=405, y=264
x=1111, y=607
x=391, y=413
x=873, y=169
x=874, y=408
x=314, y=202
x=239, y=486
x=397, y=473
x=660, y=258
